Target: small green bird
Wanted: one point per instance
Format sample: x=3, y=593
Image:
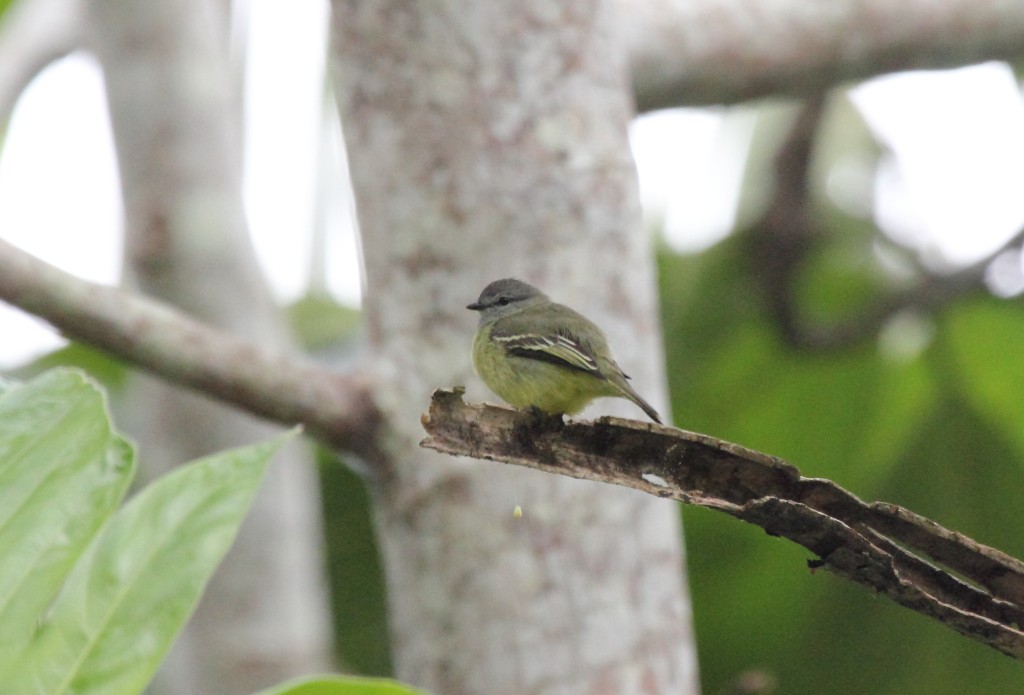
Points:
x=533, y=352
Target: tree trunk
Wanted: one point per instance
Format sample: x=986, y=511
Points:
x=489, y=140
x=176, y=122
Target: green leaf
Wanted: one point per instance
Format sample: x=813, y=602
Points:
x=63, y=471
x=140, y=579
x=354, y=569
x=342, y=685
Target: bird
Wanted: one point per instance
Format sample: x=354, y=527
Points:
x=535, y=353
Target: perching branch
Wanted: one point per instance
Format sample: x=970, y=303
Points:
x=880, y=546
x=337, y=409
x=687, y=53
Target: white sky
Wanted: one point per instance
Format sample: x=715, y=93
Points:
x=294, y=153
x=958, y=140
x=961, y=165
x=957, y=136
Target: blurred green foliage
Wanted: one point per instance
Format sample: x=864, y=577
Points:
x=354, y=570
x=321, y=323
x=939, y=430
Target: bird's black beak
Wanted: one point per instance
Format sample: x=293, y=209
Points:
x=475, y=306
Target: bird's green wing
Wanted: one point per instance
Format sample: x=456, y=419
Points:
x=558, y=349
x=545, y=336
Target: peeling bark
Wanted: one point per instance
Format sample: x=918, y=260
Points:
x=877, y=545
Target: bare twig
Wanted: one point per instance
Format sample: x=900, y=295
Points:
x=877, y=545
x=336, y=408
x=687, y=53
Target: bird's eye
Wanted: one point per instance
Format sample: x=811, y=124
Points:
x=503, y=301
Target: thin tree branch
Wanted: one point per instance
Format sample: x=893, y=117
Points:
x=695, y=52
x=337, y=409
x=781, y=242
x=877, y=545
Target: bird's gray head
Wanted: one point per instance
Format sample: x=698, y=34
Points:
x=504, y=297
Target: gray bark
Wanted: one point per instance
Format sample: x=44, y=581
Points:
x=33, y=34
x=488, y=140
x=692, y=52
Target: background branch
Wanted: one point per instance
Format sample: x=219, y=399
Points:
x=780, y=244
x=877, y=545
x=33, y=34
x=688, y=53
x=337, y=409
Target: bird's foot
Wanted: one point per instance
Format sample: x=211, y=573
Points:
x=545, y=422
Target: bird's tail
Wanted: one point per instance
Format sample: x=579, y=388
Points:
x=632, y=395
